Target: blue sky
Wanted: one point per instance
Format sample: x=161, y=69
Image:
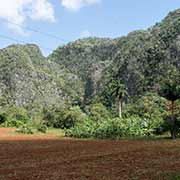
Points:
x=74, y=19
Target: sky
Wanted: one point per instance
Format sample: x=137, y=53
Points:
x=63, y=21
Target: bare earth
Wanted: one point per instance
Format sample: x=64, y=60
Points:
x=24, y=157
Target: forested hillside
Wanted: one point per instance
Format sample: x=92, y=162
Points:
x=28, y=80
x=141, y=59
x=87, y=58
x=97, y=87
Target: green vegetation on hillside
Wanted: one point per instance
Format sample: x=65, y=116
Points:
x=28, y=80
x=80, y=86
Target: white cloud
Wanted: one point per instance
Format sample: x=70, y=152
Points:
x=42, y=10
x=18, y=11
x=77, y=4
x=85, y=34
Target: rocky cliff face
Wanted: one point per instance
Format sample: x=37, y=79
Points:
x=87, y=58
x=140, y=60
x=84, y=68
x=28, y=79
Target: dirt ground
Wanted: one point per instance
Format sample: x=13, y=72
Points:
x=24, y=157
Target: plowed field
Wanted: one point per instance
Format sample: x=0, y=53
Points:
x=34, y=157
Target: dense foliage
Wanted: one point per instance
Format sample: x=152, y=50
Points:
x=133, y=126
x=14, y=117
x=28, y=80
x=80, y=86
x=140, y=60
x=64, y=118
x=171, y=91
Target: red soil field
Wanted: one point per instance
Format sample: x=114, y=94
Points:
x=32, y=157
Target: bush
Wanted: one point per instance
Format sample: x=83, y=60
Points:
x=72, y=117
x=49, y=118
x=3, y=118
x=149, y=106
x=83, y=130
x=25, y=129
x=42, y=128
x=14, y=117
x=98, y=112
x=109, y=129
x=64, y=119
x=13, y=123
x=168, y=125
x=114, y=128
x=20, y=114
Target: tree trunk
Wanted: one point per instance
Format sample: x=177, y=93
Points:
x=173, y=125
x=120, y=108
x=173, y=133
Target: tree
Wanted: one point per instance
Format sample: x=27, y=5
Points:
x=98, y=112
x=119, y=91
x=170, y=90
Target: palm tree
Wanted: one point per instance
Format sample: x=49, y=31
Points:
x=171, y=91
x=119, y=91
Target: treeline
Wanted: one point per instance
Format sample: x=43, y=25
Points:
x=149, y=115
x=97, y=88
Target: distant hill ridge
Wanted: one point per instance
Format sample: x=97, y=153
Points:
x=84, y=67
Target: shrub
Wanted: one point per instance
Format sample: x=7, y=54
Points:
x=116, y=128
x=42, y=128
x=83, y=130
x=13, y=123
x=49, y=118
x=3, y=118
x=20, y=114
x=25, y=129
x=148, y=106
x=98, y=112
x=72, y=117
x=167, y=125
x=109, y=129
x=65, y=119
x=133, y=126
x=14, y=117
